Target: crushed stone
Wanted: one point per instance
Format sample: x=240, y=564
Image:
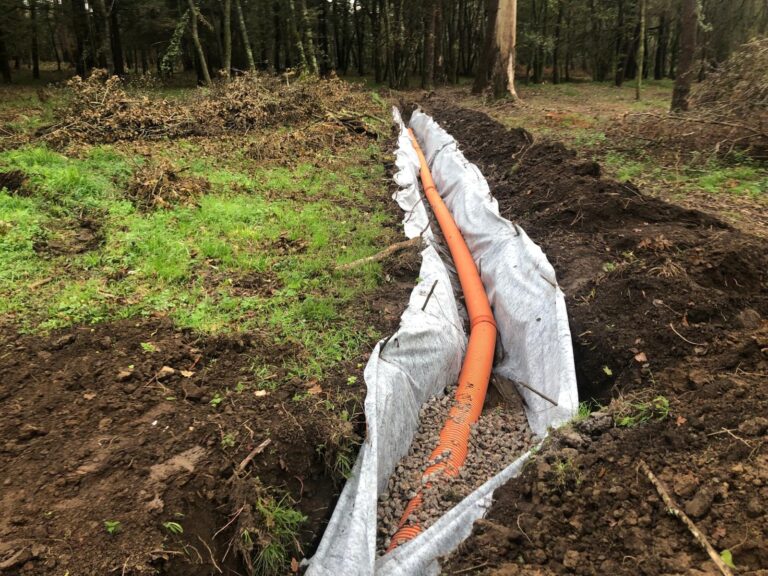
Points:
x=499, y=437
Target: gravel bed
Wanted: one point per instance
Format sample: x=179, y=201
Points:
x=500, y=436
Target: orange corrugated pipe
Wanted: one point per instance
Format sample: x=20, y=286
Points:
x=451, y=451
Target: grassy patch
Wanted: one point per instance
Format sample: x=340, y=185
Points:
x=259, y=251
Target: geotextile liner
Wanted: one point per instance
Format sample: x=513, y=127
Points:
x=424, y=357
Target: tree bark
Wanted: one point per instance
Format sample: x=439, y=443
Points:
x=558, y=39
x=484, y=66
x=227, y=24
x=198, y=46
x=503, y=77
x=661, y=49
x=428, y=70
x=688, y=24
x=5, y=66
x=104, y=49
x=640, y=52
x=244, y=35
x=118, y=59
x=309, y=43
x=81, y=33
x=35, y=46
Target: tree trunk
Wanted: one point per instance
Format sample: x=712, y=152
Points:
x=620, y=54
x=309, y=43
x=244, y=35
x=557, y=48
x=118, y=59
x=688, y=24
x=81, y=33
x=193, y=12
x=35, y=46
x=503, y=76
x=661, y=49
x=640, y=52
x=104, y=49
x=5, y=66
x=227, y=24
x=359, y=22
x=428, y=70
x=485, y=65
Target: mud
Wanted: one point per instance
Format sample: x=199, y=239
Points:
x=662, y=301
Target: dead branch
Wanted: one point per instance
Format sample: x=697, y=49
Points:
x=673, y=509
x=381, y=255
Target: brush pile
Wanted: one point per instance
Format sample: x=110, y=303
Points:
x=163, y=186
x=102, y=109
x=729, y=112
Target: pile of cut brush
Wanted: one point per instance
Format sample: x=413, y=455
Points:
x=101, y=109
x=728, y=112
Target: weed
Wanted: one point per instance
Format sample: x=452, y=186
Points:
x=228, y=440
x=173, y=527
x=112, y=526
x=282, y=524
x=631, y=414
x=583, y=412
x=566, y=474
x=216, y=400
x=148, y=347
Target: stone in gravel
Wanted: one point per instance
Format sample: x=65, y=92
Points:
x=754, y=507
x=571, y=559
x=596, y=424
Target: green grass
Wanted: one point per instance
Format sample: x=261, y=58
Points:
x=291, y=227
x=279, y=537
x=631, y=414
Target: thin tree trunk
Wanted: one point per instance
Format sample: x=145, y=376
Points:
x=35, y=46
x=309, y=43
x=244, y=35
x=5, y=66
x=118, y=58
x=557, y=47
x=688, y=24
x=661, y=49
x=303, y=65
x=79, y=27
x=198, y=46
x=104, y=49
x=428, y=70
x=503, y=79
x=227, y=23
x=485, y=65
x=640, y=52
x=620, y=53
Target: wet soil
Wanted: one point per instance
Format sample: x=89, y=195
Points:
x=662, y=301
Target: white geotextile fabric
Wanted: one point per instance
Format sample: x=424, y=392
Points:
x=424, y=356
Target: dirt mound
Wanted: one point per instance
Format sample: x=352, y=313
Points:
x=662, y=301
x=100, y=110
x=640, y=274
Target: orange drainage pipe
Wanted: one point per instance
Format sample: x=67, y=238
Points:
x=451, y=451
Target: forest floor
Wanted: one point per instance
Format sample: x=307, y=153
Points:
x=182, y=363
x=668, y=299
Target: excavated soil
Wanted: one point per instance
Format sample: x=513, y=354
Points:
x=662, y=301
x=120, y=422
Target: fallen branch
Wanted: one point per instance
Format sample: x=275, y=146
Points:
x=381, y=255
x=673, y=509
x=256, y=451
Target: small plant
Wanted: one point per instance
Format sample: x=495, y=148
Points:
x=240, y=387
x=148, y=347
x=583, y=412
x=633, y=414
x=609, y=267
x=351, y=380
x=173, y=527
x=566, y=474
x=228, y=440
x=283, y=523
x=112, y=527
x=216, y=400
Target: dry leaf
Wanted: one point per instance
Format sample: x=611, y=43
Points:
x=316, y=389
x=680, y=420
x=641, y=357
x=187, y=373
x=260, y=393
x=89, y=395
x=294, y=565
